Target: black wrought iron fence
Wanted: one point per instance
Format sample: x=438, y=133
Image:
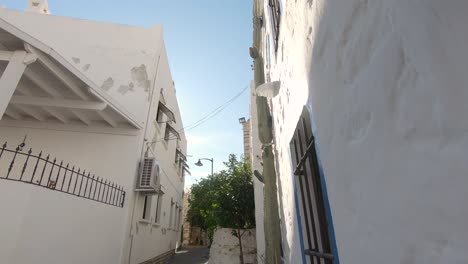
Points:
x=41, y=170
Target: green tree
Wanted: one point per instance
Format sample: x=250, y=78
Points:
x=225, y=199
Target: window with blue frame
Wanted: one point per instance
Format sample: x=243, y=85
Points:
x=313, y=216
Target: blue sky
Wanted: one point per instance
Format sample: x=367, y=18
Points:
x=207, y=43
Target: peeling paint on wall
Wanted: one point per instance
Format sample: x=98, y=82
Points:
x=76, y=60
x=140, y=77
x=107, y=84
x=86, y=67
x=123, y=89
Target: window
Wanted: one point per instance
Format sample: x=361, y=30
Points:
x=180, y=161
x=160, y=116
x=312, y=213
x=146, y=207
x=157, y=216
x=163, y=110
x=176, y=161
x=267, y=51
x=171, y=213
x=275, y=14
x=176, y=215
x=179, y=218
x=171, y=133
x=167, y=134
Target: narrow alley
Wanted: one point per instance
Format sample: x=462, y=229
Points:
x=233, y=132
x=191, y=255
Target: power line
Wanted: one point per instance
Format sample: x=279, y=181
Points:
x=214, y=112
x=210, y=115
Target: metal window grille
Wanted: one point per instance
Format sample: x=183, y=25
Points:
x=276, y=19
x=160, y=115
x=146, y=207
x=310, y=195
x=158, y=205
x=43, y=171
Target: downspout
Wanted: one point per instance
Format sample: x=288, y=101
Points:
x=265, y=133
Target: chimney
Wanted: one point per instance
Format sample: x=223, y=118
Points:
x=38, y=6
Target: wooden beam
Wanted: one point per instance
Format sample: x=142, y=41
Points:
x=33, y=114
x=70, y=127
x=56, y=102
x=55, y=113
x=23, y=90
x=5, y=55
x=83, y=118
x=38, y=80
x=108, y=119
x=42, y=84
x=10, y=79
x=58, y=72
x=58, y=115
x=13, y=114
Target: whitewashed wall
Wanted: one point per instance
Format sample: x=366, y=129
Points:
x=44, y=226
x=49, y=227
x=286, y=108
x=385, y=82
x=150, y=239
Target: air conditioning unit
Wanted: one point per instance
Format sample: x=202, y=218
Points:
x=149, y=176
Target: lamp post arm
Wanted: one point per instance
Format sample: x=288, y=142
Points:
x=212, y=162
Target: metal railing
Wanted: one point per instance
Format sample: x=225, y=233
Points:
x=43, y=171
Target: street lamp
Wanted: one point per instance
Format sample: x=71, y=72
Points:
x=199, y=163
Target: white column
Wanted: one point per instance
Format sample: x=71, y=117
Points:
x=11, y=77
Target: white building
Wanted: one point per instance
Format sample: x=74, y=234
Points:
x=92, y=100
x=381, y=87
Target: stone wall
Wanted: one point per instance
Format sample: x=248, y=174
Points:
x=225, y=247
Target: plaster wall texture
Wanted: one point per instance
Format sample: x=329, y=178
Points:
x=79, y=230
x=148, y=238
x=385, y=84
x=44, y=226
x=225, y=247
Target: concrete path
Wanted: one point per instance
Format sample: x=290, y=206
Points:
x=191, y=255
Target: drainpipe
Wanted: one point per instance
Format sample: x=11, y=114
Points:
x=265, y=132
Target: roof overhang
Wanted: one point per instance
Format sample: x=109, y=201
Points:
x=38, y=84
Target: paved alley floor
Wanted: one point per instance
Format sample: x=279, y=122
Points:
x=191, y=255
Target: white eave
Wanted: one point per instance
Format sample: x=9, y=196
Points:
x=50, y=89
